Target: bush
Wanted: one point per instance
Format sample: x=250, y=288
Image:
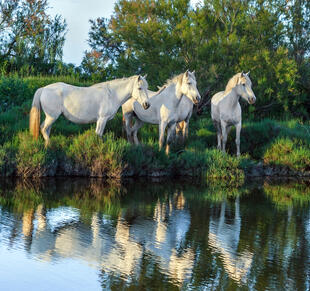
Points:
x=32, y=159
x=223, y=166
x=291, y=153
x=13, y=92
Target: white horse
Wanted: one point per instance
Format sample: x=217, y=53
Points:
x=98, y=103
x=226, y=110
x=172, y=104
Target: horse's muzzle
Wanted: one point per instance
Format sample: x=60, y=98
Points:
x=146, y=105
x=197, y=99
x=252, y=100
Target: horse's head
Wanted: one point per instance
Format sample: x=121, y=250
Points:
x=139, y=91
x=244, y=87
x=188, y=87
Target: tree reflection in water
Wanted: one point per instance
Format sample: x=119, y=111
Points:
x=165, y=235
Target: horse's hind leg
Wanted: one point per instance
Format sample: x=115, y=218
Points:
x=46, y=127
x=238, y=130
x=179, y=130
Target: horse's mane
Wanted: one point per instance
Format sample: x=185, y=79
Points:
x=107, y=83
x=160, y=89
x=233, y=81
x=174, y=80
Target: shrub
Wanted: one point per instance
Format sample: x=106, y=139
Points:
x=32, y=159
x=13, y=92
x=291, y=153
x=223, y=166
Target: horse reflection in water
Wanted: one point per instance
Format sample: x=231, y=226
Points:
x=116, y=250
x=164, y=238
x=224, y=239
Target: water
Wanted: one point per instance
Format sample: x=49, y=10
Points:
x=83, y=234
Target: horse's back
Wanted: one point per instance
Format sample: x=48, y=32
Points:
x=78, y=104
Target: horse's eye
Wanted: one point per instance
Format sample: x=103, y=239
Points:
x=139, y=88
x=189, y=83
x=243, y=84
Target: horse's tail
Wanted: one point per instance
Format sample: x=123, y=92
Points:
x=34, y=120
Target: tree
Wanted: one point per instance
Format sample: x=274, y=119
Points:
x=31, y=40
x=93, y=66
x=218, y=39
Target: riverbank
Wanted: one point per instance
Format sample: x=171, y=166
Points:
x=85, y=154
x=268, y=147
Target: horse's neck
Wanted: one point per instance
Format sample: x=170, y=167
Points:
x=121, y=90
x=184, y=108
x=166, y=97
x=171, y=95
x=231, y=100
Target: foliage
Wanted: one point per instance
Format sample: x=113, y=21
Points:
x=15, y=91
x=217, y=39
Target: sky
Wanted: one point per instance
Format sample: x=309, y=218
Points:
x=77, y=14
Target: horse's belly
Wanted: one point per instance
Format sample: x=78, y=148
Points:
x=80, y=119
x=81, y=110
x=230, y=120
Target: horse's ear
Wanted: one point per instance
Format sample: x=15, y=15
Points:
x=248, y=73
x=186, y=74
x=139, y=78
x=242, y=74
x=144, y=77
x=193, y=72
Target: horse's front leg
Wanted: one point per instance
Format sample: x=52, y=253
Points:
x=101, y=123
x=238, y=130
x=170, y=136
x=162, y=128
x=224, y=135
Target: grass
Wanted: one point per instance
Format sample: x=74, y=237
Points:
x=76, y=150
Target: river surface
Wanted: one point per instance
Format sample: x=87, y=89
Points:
x=84, y=234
